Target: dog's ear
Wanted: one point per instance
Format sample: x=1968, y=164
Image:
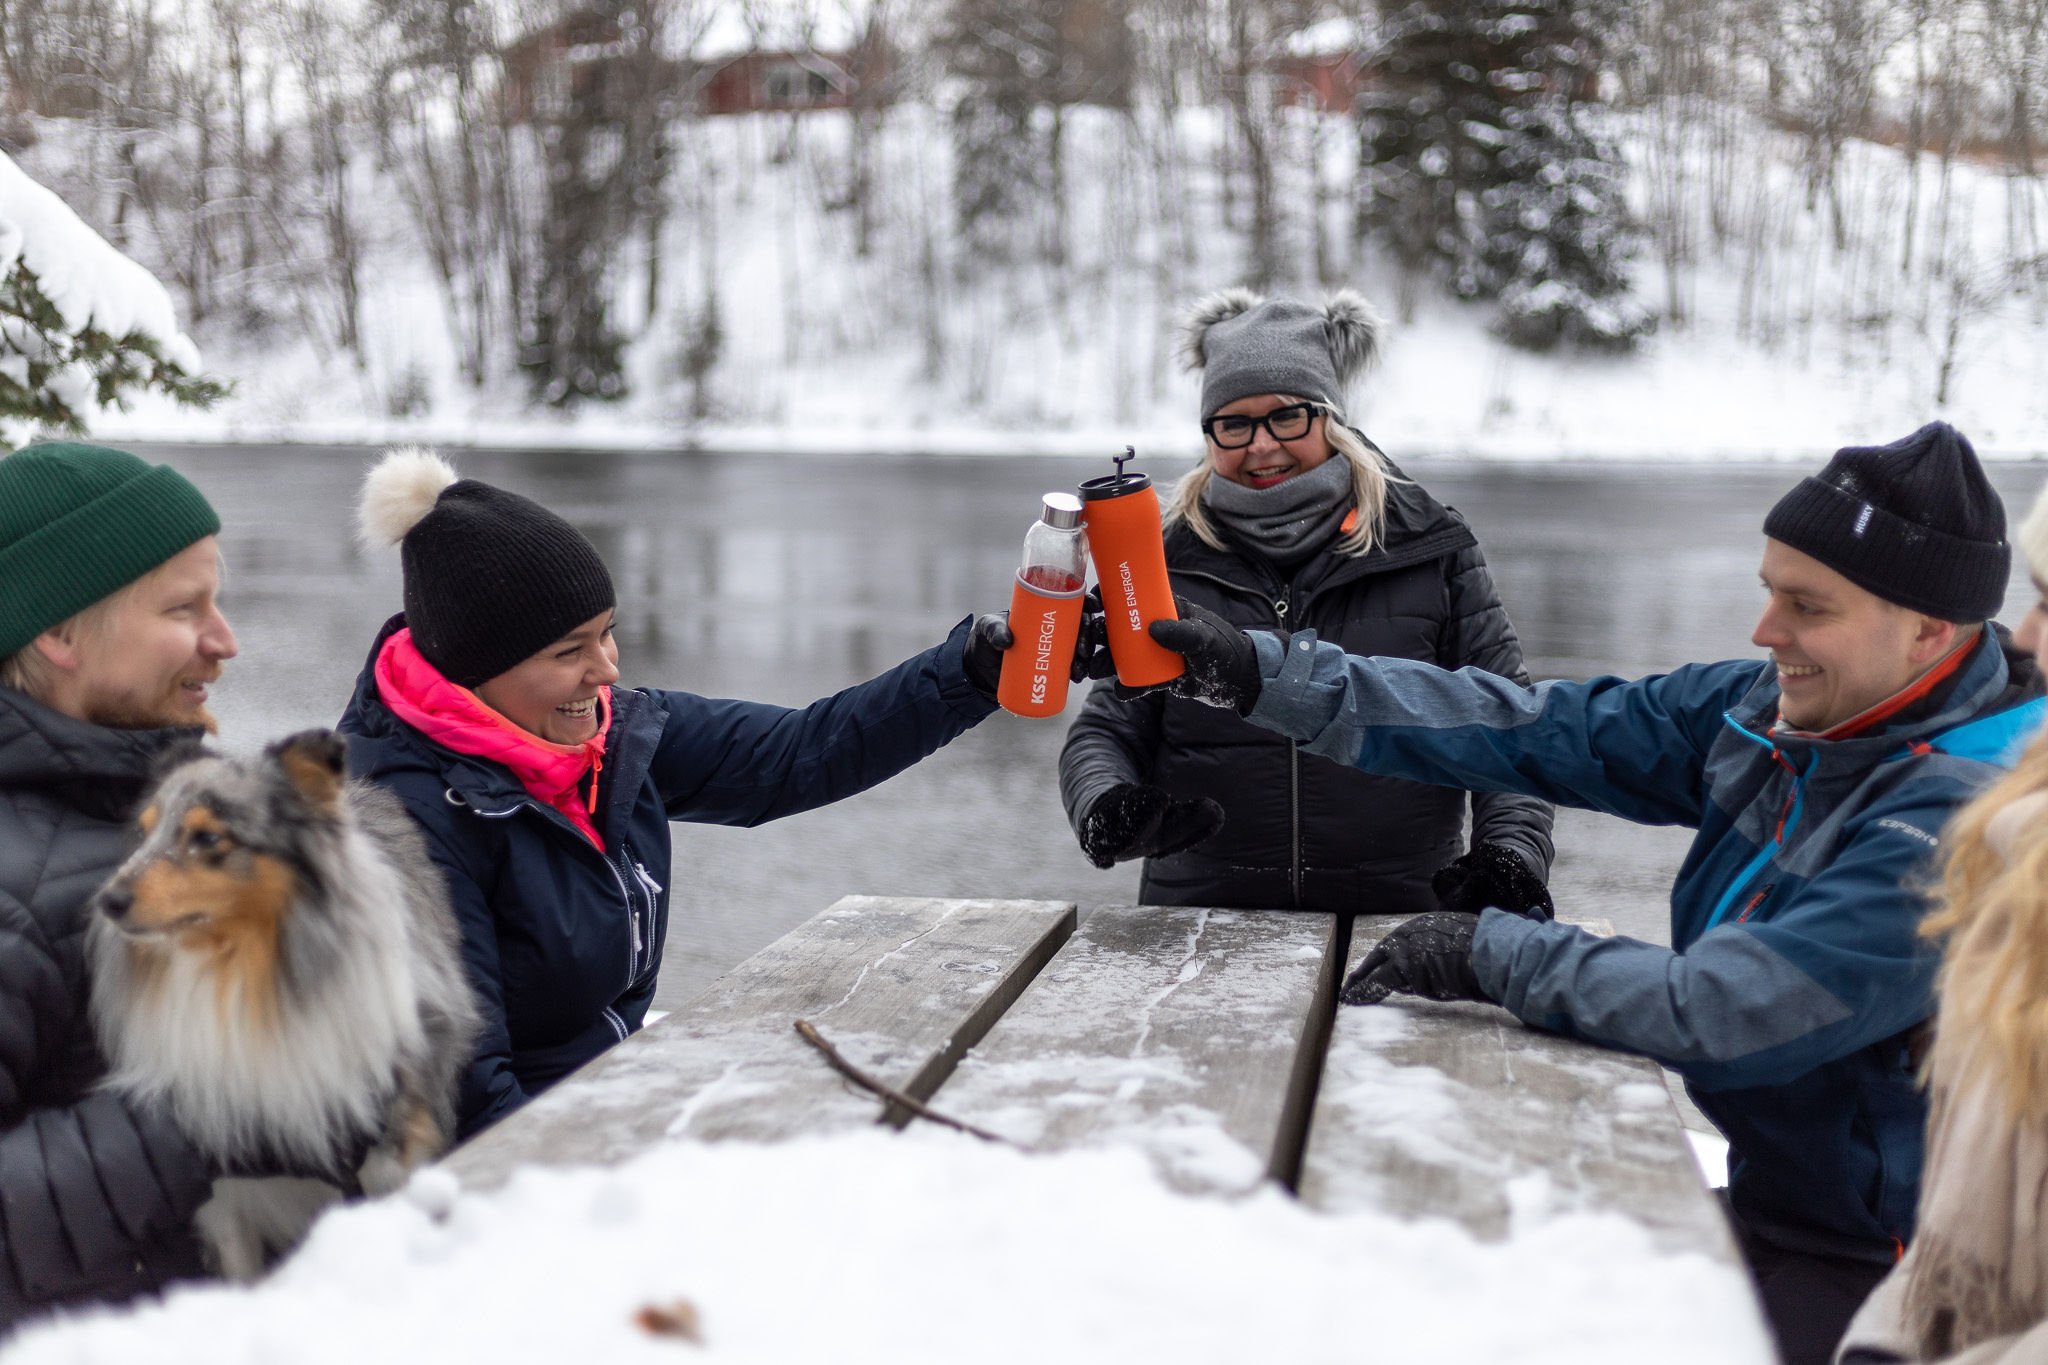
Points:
x=314, y=762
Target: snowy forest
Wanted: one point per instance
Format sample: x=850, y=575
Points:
x=773, y=211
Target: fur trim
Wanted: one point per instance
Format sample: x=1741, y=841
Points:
x=1220, y=306
x=398, y=492
x=1355, y=329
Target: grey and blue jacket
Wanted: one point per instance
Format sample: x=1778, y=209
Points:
x=1796, y=977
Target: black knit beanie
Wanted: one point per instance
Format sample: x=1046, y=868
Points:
x=1915, y=522
x=491, y=578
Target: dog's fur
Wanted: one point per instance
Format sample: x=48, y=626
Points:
x=278, y=963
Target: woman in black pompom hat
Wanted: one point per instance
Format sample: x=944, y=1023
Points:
x=490, y=707
x=1294, y=519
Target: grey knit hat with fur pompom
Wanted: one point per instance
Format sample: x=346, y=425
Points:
x=491, y=578
x=1244, y=344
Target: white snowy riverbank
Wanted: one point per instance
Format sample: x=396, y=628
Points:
x=930, y=1247
x=1818, y=346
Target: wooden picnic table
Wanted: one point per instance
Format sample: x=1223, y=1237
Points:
x=1208, y=1039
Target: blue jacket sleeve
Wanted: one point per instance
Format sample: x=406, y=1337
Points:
x=743, y=763
x=1837, y=967
x=1633, y=749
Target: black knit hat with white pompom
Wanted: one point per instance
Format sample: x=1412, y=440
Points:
x=491, y=578
x=1244, y=344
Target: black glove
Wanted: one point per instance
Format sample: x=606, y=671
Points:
x=987, y=638
x=1430, y=956
x=1091, y=645
x=1492, y=874
x=1132, y=821
x=1223, y=666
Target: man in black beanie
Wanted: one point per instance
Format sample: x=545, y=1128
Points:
x=1818, y=781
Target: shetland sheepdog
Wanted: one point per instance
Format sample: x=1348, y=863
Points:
x=277, y=962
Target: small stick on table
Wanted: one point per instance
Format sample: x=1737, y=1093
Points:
x=810, y=1034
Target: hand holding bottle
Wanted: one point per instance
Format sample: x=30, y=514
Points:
x=1222, y=664
x=1045, y=612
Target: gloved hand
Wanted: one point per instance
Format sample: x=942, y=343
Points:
x=1133, y=821
x=1430, y=956
x=1223, y=665
x=987, y=638
x=1492, y=874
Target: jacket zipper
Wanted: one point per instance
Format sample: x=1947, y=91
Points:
x=1788, y=820
x=633, y=945
x=633, y=919
x=1280, y=609
x=649, y=888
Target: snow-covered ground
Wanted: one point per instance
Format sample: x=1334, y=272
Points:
x=928, y=1247
x=1791, y=348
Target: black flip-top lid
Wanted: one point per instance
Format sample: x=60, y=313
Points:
x=1117, y=485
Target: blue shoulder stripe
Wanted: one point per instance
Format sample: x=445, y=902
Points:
x=1996, y=738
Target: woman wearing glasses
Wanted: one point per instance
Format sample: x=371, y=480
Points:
x=1295, y=520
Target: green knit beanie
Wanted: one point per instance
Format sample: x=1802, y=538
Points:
x=78, y=522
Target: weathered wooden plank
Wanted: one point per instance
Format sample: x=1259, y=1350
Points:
x=901, y=986
x=1458, y=1111
x=1194, y=1035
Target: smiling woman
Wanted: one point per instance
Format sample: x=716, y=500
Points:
x=1294, y=519
x=491, y=708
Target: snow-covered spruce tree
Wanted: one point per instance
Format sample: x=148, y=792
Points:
x=82, y=327
x=1484, y=165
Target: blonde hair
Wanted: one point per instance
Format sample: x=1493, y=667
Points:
x=1369, y=480
x=29, y=672
x=2033, y=537
x=1991, y=912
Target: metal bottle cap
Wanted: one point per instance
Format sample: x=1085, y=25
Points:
x=1062, y=511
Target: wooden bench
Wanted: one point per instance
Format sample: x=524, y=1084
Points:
x=903, y=987
x=1202, y=1037
x=1457, y=1111
x=1192, y=1034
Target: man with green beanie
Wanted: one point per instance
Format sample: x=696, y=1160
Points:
x=109, y=636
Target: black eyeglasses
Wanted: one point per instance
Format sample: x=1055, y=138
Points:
x=1290, y=423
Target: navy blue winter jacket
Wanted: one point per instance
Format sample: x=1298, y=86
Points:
x=1795, y=975
x=562, y=941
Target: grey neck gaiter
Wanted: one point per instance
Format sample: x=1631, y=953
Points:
x=1287, y=522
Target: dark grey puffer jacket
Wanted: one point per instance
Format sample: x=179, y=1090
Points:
x=1300, y=832
x=96, y=1197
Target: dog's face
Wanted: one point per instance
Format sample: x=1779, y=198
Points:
x=223, y=849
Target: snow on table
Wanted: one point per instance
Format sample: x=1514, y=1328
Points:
x=1190, y=1034
x=1458, y=1110
x=926, y=1246
x=900, y=985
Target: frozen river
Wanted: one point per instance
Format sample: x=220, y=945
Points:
x=784, y=578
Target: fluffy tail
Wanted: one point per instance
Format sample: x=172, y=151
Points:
x=398, y=492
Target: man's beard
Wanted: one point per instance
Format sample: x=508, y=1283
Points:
x=158, y=713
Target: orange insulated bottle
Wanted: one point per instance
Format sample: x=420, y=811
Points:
x=1121, y=514
x=1045, y=612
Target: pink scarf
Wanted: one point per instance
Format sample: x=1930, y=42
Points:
x=456, y=717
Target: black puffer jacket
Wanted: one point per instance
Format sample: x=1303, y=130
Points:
x=96, y=1197
x=1300, y=832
